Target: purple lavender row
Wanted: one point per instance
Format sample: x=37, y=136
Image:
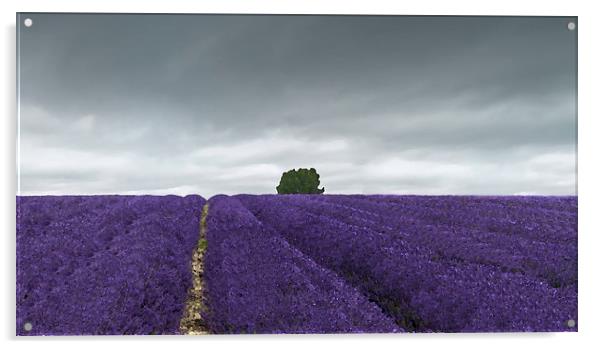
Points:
x=548, y=203
x=257, y=283
x=104, y=264
x=421, y=294
x=529, y=217
x=502, y=234
x=554, y=262
x=538, y=218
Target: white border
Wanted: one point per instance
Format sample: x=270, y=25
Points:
x=590, y=230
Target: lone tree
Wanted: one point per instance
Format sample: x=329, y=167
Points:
x=301, y=181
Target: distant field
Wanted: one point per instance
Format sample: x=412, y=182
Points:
x=298, y=263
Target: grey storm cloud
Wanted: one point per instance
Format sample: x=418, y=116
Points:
x=225, y=103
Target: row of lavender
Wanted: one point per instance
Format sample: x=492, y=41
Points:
x=531, y=235
x=258, y=282
x=104, y=264
x=441, y=263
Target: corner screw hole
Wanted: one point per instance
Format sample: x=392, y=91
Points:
x=571, y=26
x=27, y=327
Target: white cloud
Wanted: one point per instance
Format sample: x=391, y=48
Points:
x=85, y=123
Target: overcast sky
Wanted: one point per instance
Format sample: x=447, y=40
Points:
x=207, y=104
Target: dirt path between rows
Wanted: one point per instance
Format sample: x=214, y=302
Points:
x=192, y=322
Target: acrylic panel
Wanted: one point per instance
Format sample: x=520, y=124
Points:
x=196, y=174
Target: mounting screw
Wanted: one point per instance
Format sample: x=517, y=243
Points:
x=571, y=26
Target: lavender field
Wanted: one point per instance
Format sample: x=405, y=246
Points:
x=297, y=264
x=104, y=264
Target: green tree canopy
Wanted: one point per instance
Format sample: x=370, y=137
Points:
x=301, y=181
